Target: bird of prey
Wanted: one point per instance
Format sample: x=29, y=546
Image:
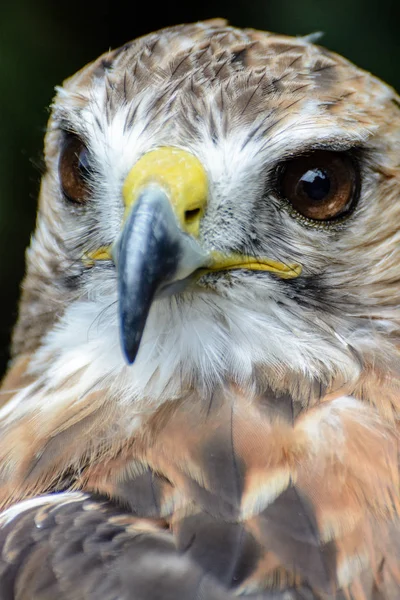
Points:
x=203, y=396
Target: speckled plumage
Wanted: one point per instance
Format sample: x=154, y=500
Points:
x=254, y=440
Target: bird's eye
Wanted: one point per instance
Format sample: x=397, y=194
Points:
x=74, y=170
x=320, y=186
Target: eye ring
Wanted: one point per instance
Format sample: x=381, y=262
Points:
x=74, y=170
x=322, y=186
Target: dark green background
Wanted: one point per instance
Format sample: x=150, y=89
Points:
x=42, y=42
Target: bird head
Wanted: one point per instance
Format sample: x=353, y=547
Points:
x=218, y=205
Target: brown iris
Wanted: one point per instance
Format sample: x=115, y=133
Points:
x=74, y=170
x=320, y=186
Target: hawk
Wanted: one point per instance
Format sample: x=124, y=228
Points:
x=203, y=396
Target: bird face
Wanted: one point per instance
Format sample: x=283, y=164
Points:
x=217, y=205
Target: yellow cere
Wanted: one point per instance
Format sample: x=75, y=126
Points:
x=180, y=174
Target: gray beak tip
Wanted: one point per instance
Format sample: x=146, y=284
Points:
x=130, y=352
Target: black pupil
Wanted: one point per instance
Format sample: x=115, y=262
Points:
x=315, y=184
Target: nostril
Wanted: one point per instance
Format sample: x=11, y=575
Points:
x=191, y=215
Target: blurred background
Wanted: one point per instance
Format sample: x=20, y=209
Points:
x=44, y=41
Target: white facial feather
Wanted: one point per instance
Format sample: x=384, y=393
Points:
x=203, y=341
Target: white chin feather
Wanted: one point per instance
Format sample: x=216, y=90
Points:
x=202, y=340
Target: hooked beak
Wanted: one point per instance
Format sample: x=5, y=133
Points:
x=151, y=254
x=165, y=196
